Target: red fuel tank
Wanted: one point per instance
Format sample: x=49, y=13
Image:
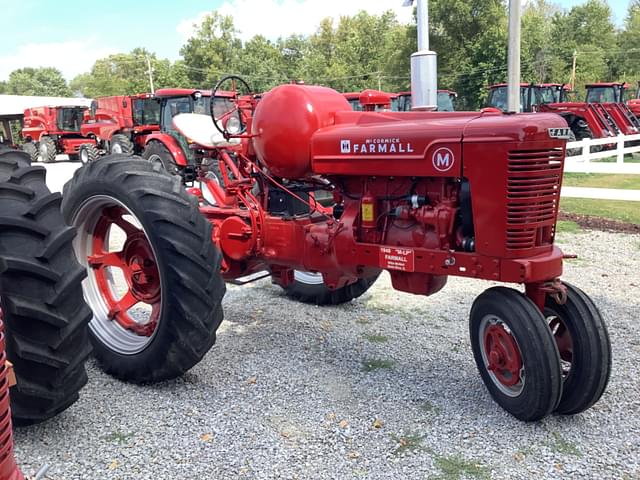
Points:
x=284, y=122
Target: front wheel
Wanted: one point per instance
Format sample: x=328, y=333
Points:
x=88, y=153
x=121, y=144
x=153, y=272
x=308, y=287
x=47, y=150
x=31, y=149
x=156, y=152
x=515, y=353
x=585, y=350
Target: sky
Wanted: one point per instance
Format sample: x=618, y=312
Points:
x=71, y=34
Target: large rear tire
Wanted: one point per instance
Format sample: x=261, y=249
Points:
x=309, y=287
x=583, y=342
x=154, y=280
x=41, y=294
x=515, y=353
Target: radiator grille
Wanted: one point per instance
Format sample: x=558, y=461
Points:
x=533, y=194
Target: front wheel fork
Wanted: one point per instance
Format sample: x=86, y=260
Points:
x=537, y=292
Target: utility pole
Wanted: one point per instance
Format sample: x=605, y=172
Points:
x=150, y=70
x=573, y=70
x=424, y=63
x=513, y=68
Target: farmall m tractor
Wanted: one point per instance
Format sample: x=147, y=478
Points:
x=422, y=195
x=43, y=317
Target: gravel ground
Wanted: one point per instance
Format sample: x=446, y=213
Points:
x=285, y=393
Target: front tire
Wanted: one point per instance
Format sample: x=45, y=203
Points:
x=585, y=350
x=155, y=287
x=88, y=153
x=47, y=150
x=31, y=149
x=40, y=293
x=121, y=144
x=156, y=152
x=515, y=353
x=309, y=287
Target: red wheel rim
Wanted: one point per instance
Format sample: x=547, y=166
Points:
x=502, y=356
x=138, y=265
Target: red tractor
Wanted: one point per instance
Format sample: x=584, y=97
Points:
x=446, y=100
x=187, y=108
x=586, y=119
x=49, y=131
x=422, y=195
x=43, y=317
x=118, y=124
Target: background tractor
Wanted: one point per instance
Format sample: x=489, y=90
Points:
x=43, y=317
x=49, y=131
x=118, y=124
x=588, y=119
x=422, y=195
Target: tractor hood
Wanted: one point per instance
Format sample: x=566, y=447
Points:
x=417, y=143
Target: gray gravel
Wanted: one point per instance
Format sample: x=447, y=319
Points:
x=284, y=394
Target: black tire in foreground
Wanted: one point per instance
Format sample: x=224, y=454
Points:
x=165, y=318
x=585, y=350
x=41, y=294
x=310, y=288
x=88, y=153
x=31, y=149
x=47, y=150
x=515, y=353
x=156, y=152
x=121, y=144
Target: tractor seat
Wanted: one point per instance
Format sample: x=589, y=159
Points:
x=201, y=130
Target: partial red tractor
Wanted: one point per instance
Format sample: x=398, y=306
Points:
x=422, y=195
x=118, y=124
x=586, y=119
x=187, y=135
x=49, y=131
x=446, y=99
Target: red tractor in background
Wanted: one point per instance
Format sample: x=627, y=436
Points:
x=446, y=100
x=117, y=124
x=586, y=119
x=49, y=131
x=422, y=195
x=371, y=100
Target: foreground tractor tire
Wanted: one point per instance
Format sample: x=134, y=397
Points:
x=47, y=150
x=40, y=293
x=31, y=149
x=121, y=144
x=585, y=351
x=154, y=274
x=309, y=287
x=515, y=353
x=156, y=152
x=88, y=153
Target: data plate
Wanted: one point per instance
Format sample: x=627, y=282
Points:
x=402, y=259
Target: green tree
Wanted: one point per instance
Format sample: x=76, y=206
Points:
x=128, y=73
x=45, y=81
x=212, y=51
x=261, y=63
x=628, y=54
x=3, y=87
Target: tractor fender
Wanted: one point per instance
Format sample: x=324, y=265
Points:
x=170, y=144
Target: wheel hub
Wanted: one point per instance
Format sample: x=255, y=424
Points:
x=143, y=271
x=503, y=355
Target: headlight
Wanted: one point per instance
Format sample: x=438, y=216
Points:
x=233, y=125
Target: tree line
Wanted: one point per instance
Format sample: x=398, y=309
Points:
x=373, y=51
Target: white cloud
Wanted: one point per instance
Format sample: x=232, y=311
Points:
x=281, y=18
x=71, y=57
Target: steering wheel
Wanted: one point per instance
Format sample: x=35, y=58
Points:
x=230, y=123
